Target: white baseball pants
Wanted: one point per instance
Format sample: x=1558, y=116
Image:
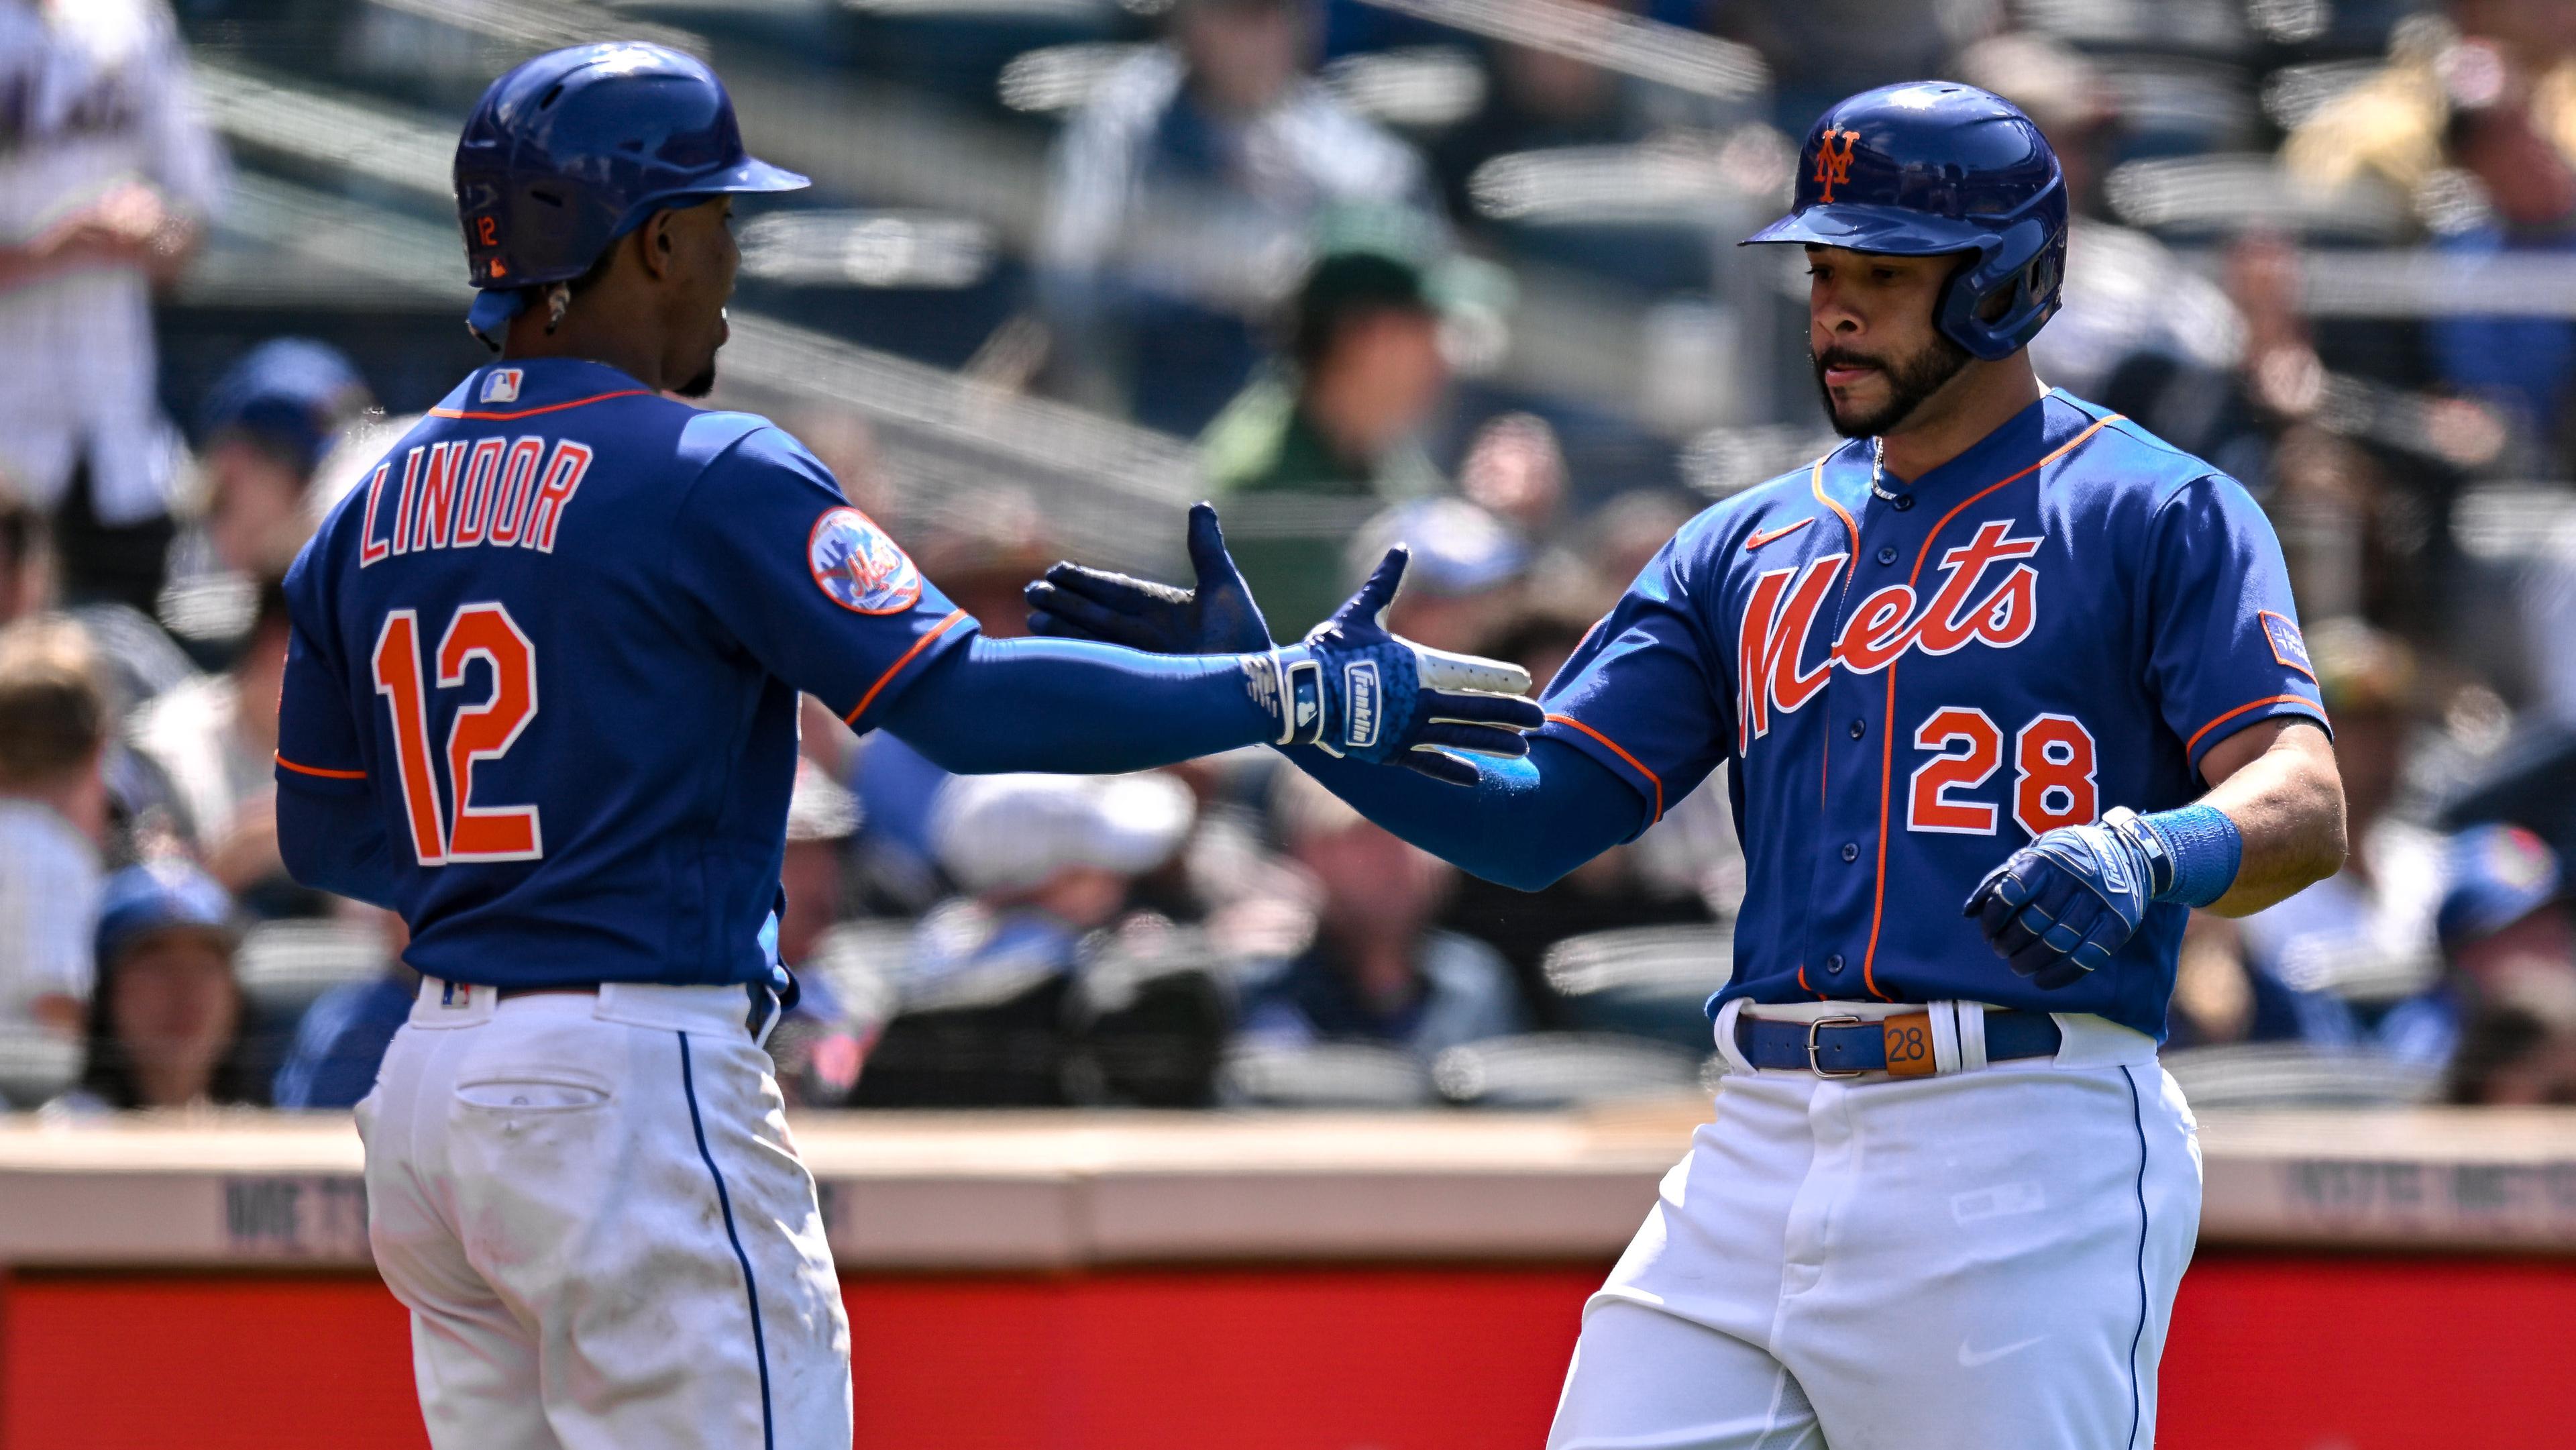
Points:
x=1983, y=1260
x=591, y=1206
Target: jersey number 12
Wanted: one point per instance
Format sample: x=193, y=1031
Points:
x=479, y=732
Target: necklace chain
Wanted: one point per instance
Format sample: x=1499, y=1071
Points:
x=1878, y=471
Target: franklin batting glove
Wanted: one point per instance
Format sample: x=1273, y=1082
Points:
x=2059, y=907
x=1353, y=689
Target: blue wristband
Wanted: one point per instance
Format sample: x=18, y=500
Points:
x=2205, y=848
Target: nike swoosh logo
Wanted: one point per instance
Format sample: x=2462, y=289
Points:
x=1758, y=540
x=1970, y=1359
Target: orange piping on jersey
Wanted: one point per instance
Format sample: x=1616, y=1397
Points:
x=532, y=412
x=1887, y=742
x=2194, y=743
x=1634, y=763
x=349, y=774
x=892, y=670
x=1851, y=531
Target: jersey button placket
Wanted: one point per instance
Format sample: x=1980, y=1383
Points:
x=1851, y=852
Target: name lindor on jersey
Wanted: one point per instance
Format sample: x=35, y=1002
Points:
x=472, y=492
x=1782, y=608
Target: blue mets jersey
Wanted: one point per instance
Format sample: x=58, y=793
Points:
x=2063, y=619
x=556, y=638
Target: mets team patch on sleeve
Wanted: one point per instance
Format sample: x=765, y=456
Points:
x=2287, y=646
x=858, y=566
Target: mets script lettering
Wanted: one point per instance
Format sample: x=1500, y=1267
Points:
x=1784, y=603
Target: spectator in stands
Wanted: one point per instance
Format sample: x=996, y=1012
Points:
x=1611, y=890
x=985, y=1012
x=215, y=738
x=1377, y=970
x=25, y=572
x=165, y=1024
x=983, y=552
x=2525, y=206
x=2510, y=1001
x=1465, y=578
x=2519, y=1047
x=2389, y=128
x=1622, y=537
x=54, y=726
x=1182, y=190
x=1539, y=99
x=821, y=818
x=1339, y=420
x=2363, y=937
x=342, y=1037
x=1515, y=470
x=1822, y=50
x=107, y=176
x=2126, y=293
x=265, y=429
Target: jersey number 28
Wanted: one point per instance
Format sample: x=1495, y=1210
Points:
x=2052, y=773
x=479, y=732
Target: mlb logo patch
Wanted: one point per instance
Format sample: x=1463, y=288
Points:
x=501, y=385
x=456, y=995
x=2287, y=645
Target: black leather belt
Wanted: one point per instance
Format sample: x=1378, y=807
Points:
x=777, y=995
x=1900, y=1046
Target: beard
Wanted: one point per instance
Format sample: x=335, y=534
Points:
x=1910, y=380
x=700, y=385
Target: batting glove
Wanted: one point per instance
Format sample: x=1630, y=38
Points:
x=1216, y=618
x=1353, y=689
x=2059, y=907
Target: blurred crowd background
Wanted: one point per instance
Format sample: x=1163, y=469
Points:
x=1457, y=272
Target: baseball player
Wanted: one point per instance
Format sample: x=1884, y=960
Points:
x=541, y=699
x=2001, y=654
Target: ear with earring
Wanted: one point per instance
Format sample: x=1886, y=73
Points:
x=558, y=300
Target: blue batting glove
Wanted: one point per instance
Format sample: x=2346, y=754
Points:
x=2059, y=907
x=1216, y=618
x=1353, y=689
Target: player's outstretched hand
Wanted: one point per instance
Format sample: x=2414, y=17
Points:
x=1353, y=689
x=1216, y=618
x=2059, y=907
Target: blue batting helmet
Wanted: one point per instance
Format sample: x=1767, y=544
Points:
x=576, y=148
x=1930, y=167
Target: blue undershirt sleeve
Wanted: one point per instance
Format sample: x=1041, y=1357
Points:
x=1526, y=823
x=1073, y=708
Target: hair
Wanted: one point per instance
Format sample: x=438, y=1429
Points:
x=1343, y=289
x=108, y=1074
x=53, y=710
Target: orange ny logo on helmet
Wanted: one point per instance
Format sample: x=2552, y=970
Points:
x=1833, y=167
